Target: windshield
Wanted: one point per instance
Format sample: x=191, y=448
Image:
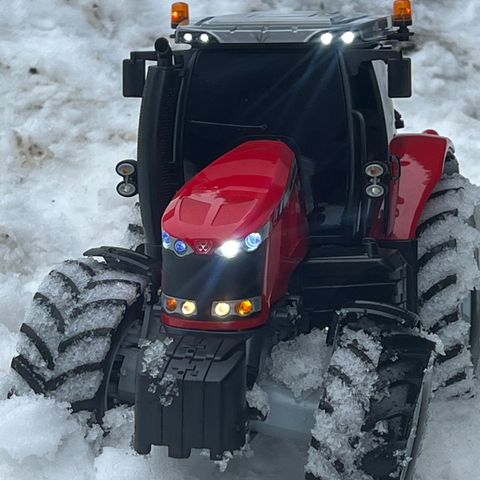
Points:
x=294, y=93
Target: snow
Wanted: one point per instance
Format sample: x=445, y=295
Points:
x=153, y=360
x=258, y=399
x=300, y=372
x=41, y=439
x=65, y=125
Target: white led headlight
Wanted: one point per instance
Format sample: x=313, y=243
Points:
x=326, y=38
x=348, y=38
x=230, y=249
x=250, y=243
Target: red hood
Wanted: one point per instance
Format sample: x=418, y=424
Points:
x=232, y=197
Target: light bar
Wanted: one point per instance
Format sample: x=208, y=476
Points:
x=264, y=28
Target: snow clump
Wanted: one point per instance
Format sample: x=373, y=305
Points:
x=301, y=363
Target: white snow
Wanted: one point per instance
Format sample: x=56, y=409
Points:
x=64, y=125
x=41, y=439
x=152, y=364
x=257, y=398
x=300, y=372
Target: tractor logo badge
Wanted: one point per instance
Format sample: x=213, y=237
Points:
x=203, y=247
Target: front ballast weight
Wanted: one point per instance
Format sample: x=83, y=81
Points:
x=191, y=393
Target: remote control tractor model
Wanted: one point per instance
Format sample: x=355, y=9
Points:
x=277, y=200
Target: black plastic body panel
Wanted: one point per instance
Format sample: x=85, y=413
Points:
x=208, y=408
x=210, y=278
x=158, y=178
x=334, y=276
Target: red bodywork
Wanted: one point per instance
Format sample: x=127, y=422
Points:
x=422, y=159
x=247, y=188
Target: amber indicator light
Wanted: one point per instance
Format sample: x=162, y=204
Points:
x=402, y=12
x=171, y=304
x=244, y=308
x=180, y=13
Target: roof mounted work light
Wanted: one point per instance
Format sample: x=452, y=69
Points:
x=180, y=14
x=402, y=13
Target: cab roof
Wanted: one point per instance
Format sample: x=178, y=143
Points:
x=278, y=27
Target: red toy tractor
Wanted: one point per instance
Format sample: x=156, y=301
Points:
x=276, y=199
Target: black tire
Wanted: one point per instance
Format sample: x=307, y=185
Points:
x=371, y=418
x=448, y=242
x=78, y=324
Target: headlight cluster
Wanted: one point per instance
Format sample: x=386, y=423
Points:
x=180, y=247
x=328, y=38
x=375, y=171
x=179, y=306
x=202, y=38
x=232, y=248
x=239, y=308
x=250, y=243
x=229, y=249
x=127, y=169
x=224, y=309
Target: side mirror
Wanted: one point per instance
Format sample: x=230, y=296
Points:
x=400, y=78
x=133, y=78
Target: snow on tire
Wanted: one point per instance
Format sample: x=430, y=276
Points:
x=448, y=243
x=68, y=330
x=376, y=395
x=350, y=384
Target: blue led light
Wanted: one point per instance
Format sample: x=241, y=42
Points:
x=252, y=242
x=166, y=240
x=181, y=247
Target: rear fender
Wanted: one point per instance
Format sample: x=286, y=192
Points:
x=422, y=160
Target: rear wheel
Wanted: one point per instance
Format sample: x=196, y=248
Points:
x=77, y=332
x=448, y=241
x=371, y=418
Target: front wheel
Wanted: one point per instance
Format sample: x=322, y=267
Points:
x=372, y=415
x=81, y=326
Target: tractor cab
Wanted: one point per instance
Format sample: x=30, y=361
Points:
x=318, y=82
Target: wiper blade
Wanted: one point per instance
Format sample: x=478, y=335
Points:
x=262, y=128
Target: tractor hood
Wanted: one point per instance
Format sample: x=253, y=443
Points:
x=238, y=194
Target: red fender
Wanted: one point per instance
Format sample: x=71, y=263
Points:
x=422, y=159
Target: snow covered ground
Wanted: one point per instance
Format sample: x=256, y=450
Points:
x=64, y=125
